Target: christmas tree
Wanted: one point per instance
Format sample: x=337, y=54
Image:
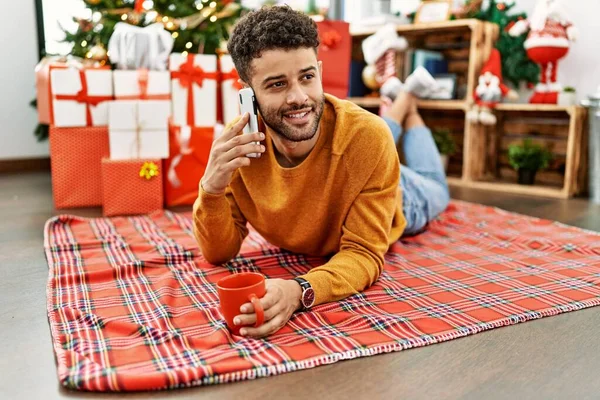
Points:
x=197, y=26
x=516, y=66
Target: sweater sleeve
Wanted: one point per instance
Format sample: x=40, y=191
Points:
x=365, y=233
x=219, y=226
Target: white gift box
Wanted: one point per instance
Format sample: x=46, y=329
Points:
x=201, y=74
x=139, y=129
x=142, y=84
x=229, y=89
x=75, y=93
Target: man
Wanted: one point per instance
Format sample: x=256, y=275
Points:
x=327, y=183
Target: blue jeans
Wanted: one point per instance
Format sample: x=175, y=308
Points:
x=425, y=191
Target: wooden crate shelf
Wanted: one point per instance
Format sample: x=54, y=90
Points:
x=375, y=102
x=465, y=43
x=559, y=128
x=433, y=27
x=482, y=160
x=534, y=107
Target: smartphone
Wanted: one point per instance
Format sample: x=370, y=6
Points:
x=248, y=105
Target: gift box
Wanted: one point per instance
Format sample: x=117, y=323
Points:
x=75, y=160
x=42, y=82
x=133, y=47
x=142, y=85
x=79, y=96
x=335, y=53
x=229, y=89
x=131, y=186
x=194, y=89
x=139, y=129
x=190, y=149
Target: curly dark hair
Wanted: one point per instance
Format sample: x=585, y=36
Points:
x=277, y=27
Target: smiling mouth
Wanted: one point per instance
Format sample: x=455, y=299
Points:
x=298, y=117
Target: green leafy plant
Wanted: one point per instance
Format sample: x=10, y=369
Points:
x=444, y=141
x=569, y=89
x=529, y=156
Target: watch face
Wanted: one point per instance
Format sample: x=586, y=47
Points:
x=308, y=298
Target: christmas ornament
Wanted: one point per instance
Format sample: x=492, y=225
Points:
x=134, y=17
x=468, y=10
x=97, y=53
x=369, y=77
x=229, y=10
x=548, y=41
x=223, y=47
x=93, y=2
x=84, y=24
x=489, y=91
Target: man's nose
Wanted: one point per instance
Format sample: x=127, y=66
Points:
x=296, y=95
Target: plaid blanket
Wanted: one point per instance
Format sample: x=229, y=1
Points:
x=132, y=304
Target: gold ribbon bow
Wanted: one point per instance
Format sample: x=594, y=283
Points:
x=149, y=170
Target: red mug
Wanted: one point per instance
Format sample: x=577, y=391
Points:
x=237, y=289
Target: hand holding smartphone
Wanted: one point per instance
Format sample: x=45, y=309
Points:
x=248, y=105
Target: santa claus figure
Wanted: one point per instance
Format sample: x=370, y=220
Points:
x=490, y=91
x=550, y=34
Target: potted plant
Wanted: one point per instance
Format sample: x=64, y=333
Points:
x=567, y=97
x=445, y=144
x=527, y=159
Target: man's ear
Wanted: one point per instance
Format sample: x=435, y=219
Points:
x=244, y=84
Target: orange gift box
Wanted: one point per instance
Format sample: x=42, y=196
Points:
x=131, y=187
x=190, y=148
x=75, y=159
x=335, y=53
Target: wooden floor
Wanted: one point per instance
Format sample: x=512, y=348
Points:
x=557, y=357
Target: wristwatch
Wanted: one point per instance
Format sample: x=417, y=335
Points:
x=308, y=293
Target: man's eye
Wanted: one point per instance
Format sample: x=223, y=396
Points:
x=277, y=84
x=308, y=76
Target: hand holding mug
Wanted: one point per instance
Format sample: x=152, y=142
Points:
x=238, y=289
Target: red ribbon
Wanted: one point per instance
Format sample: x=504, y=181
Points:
x=233, y=75
x=330, y=39
x=83, y=97
x=188, y=74
x=143, y=85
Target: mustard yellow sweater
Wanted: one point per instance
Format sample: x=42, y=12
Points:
x=342, y=201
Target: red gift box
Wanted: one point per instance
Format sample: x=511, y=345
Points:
x=190, y=149
x=75, y=159
x=131, y=187
x=335, y=53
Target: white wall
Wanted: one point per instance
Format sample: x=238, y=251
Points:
x=19, y=57
x=581, y=67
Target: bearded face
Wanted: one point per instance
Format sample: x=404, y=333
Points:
x=488, y=88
